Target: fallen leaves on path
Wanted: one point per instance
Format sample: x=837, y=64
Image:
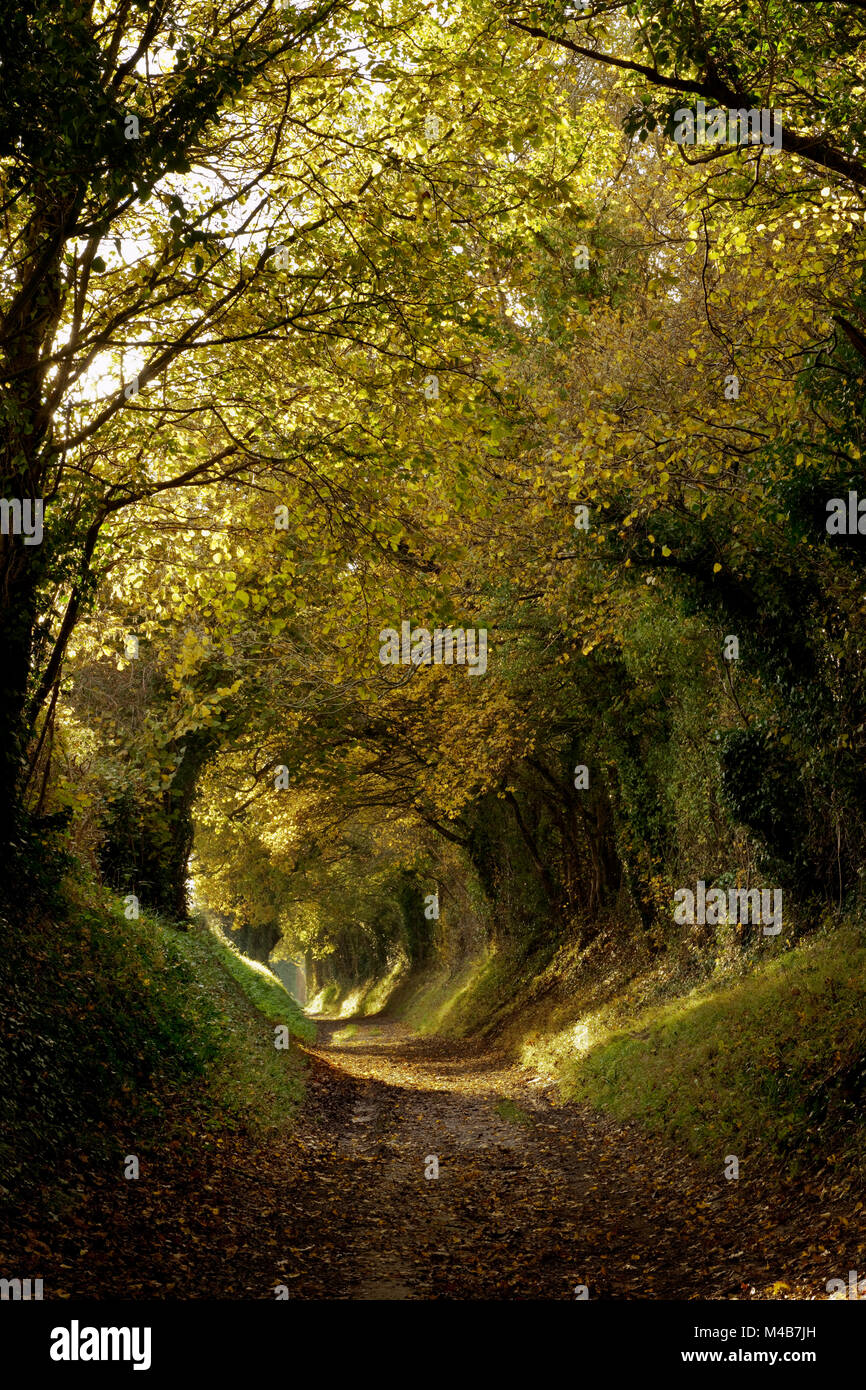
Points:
x=533, y=1199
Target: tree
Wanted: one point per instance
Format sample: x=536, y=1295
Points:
x=804, y=58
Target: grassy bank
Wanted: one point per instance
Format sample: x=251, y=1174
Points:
x=122, y=1032
x=358, y=1001
x=771, y=1065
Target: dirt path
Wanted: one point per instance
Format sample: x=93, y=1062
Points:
x=535, y=1199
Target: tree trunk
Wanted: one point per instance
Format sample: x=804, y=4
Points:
x=17, y=613
x=146, y=847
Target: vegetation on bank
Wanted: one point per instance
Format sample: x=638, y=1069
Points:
x=124, y=1033
x=262, y=987
x=769, y=1063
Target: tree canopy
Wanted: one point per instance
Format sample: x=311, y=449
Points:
x=320, y=319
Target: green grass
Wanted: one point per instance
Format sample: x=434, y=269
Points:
x=262, y=987
x=770, y=1065
x=509, y=1110
x=116, y=1027
x=250, y=1080
x=361, y=1000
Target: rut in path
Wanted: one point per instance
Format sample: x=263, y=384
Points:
x=535, y=1198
